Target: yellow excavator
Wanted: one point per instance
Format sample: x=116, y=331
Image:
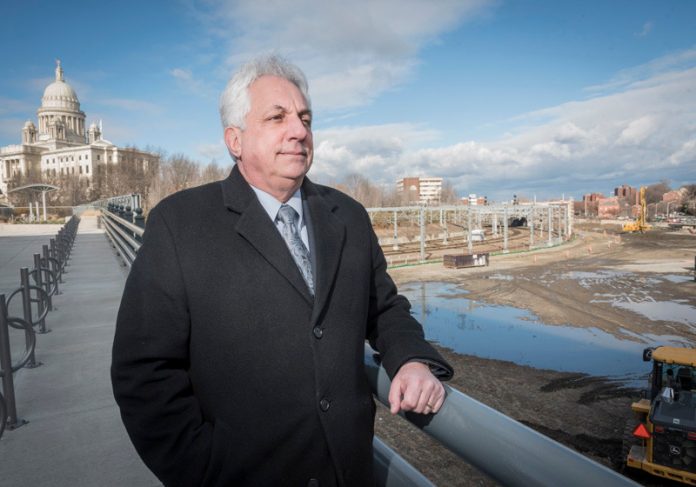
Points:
x=663, y=442
x=641, y=223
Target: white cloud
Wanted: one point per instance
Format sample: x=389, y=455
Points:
x=685, y=154
x=352, y=51
x=11, y=130
x=637, y=131
x=676, y=61
x=214, y=151
x=647, y=28
x=188, y=81
x=641, y=133
x=14, y=107
x=131, y=105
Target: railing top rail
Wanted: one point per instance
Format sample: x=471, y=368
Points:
x=133, y=228
x=506, y=450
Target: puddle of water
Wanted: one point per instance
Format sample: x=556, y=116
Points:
x=516, y=335
x=677, y=278
x=501, y=277
x=661, y=310
x=597, y=276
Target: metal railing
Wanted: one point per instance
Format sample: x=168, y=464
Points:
x=124, y=229
x=46, y=274
x=502, y=448
x=497, y=445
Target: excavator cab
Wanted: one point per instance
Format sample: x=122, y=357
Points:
x=662, y=440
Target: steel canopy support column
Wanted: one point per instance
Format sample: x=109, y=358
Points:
x=505, y=230
x=530, y=222
x=560, y=225
x=421, y=219
x=43, y=200
x=470, y=242
x=550, y=229
x=396, y=230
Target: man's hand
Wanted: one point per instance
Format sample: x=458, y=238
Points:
x=416, y=389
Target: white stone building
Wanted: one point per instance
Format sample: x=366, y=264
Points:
x=61, y=145
x=423, y=190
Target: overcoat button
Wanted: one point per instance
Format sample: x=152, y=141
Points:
x=324, y=404
x=318, y=332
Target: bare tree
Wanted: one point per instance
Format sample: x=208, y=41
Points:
x=654, y=192
x=448, y=195
x=179, y=172
x=213, y=172
x=689, y=202
x=360, y=188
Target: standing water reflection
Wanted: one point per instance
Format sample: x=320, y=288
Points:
x=517, y=335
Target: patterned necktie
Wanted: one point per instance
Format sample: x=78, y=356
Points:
x=288, y=216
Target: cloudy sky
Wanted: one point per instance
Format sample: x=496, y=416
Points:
x=501, y=97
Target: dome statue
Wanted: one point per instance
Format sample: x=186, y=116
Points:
x=60, y=94
x=60, y=103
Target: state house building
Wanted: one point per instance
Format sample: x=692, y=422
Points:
x=61, y=145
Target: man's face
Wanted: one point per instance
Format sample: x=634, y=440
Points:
x=275, y=150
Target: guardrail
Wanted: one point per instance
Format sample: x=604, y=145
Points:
x=499, y=446
x=46, y=274
x=124, y=229
x=502, y=448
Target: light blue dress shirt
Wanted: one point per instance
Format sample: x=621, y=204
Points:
x=272, y=205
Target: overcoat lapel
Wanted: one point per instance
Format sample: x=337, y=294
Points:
x=257, y=229
x=329, y=233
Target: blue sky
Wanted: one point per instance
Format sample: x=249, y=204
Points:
x=540, y=98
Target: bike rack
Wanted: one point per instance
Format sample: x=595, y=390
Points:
x=42, y=301
x=3, y=415
x=7, y=368
x=46, y=274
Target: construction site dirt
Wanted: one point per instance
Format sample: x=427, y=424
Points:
x=638, y=289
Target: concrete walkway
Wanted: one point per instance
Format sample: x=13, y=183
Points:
x=74, y=436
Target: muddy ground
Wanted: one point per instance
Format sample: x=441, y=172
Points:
x=585, y=413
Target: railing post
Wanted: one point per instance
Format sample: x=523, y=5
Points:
x=50, y=265
x=56, y=255
x=6, y=367
x=128, y=215
x=26, y=309
x=139, y=221
x=40, y=283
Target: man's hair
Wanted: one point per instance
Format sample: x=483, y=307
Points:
x=234, y=101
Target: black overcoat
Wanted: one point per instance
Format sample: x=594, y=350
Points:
x=225, y=369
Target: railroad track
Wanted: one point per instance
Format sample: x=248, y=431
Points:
x=515, y=235
x=518, y=238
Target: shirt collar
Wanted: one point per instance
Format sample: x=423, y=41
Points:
x=272, y=205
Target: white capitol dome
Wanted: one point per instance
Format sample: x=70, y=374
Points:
x=60, y=94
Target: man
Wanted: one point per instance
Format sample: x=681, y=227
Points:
x=238, y=355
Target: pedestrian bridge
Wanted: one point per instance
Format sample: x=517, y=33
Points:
x=63, y=426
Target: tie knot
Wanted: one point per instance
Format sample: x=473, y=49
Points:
x=287, y=214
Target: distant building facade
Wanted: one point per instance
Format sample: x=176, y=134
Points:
x=422, y=190
x=474, y=200
x=630, y=194
x=624, y=203
x=61, y=144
